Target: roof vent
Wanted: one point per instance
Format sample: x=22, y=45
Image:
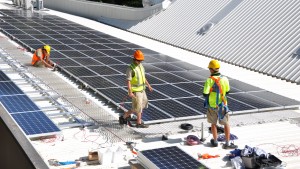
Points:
x=205, y=28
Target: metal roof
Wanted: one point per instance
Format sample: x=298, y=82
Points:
x=262, y=36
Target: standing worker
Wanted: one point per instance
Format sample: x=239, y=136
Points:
x=136, y=83
x=216, y=88
x=41, y=58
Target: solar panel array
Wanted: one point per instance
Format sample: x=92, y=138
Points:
x=23, y=110
x=100, y=61
x=168, y=158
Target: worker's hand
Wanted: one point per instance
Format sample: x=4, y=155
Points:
x=131, y=95
x=150, y=88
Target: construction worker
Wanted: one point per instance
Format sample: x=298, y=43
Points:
x=216, y=88
x=41, y=58
x=136, y=83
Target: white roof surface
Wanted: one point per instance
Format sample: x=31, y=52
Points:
x=273, y=135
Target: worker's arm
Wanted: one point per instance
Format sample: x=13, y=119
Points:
x=130, y=94
x=45, y=60
x=149, y=86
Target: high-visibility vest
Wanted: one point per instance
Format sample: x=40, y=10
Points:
x=35, y=57
x=138, y=80
x=211, y=88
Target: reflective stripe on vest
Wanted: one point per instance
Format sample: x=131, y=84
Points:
x=138, y=80
x=35, y=57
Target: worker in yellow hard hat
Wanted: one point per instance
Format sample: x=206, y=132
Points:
x=41, y=57
x=136, y=83
x=215, y=89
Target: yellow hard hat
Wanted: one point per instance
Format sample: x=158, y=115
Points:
x=138, y=55
x=47, y=48
x=214, y=64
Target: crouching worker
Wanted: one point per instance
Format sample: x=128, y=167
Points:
x=41, y=58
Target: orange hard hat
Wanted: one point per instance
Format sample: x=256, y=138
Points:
x=138, y=55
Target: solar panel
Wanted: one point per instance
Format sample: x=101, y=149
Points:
x=93, y=53
x=86, y=61
x=18, y=103
x=4, y=77
x=151, y=114
x=190, y=87
x=117, y=79
x=150, y=68
x=238, y=106
x=275, y=98
x=194, y=102
x=97, y=46
x=80, y=47
x=35, y=123
x=172, y=91
x=168, y=158
x=175, y=109
x=107, y=60
x=168, y=77
x=253, y=101
x=121, y=68
x=190, y=76
x=103, y=70
x=97, y=82
x=74, y=45
x=126, y=51
x=115, y=94
x=9, y=88
x=84, y=40
x=156, y=95
x=110, y=52
x=64, y=62
x=243, y=86
x=153, y=80
x=124, y=59
x=114, y=46
x=79, y=71
x=73, y=53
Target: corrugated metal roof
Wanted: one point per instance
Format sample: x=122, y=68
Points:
x=258, y=35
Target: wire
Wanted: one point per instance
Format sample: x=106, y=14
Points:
x=289, y=150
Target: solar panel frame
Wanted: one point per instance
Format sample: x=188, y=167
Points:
x=171, y=157
x=35, y=124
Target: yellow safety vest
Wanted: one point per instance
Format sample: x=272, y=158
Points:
x=138, y=80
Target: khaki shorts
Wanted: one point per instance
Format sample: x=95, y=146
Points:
x=140, y=101
x=212, y=117
x=39, y=64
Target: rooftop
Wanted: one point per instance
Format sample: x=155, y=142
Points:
x=273, y=131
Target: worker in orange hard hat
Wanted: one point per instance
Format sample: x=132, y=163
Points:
x=136, y=83
x=41, y=57
x=215, y=90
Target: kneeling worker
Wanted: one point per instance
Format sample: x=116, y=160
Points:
x=41, y=57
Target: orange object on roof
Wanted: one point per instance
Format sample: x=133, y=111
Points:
x=207, y=156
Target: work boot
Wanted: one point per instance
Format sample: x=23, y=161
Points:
x=229, y=146
x=141, y=125
x=213, y=143
x=122, y=121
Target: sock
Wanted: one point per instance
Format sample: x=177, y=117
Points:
x=227, y=142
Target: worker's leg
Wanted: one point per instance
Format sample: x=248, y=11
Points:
x=214, y=131
x=212, y=118
x=225, y=122
x=39, y=64
x=227, y=132
x=127, y=114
